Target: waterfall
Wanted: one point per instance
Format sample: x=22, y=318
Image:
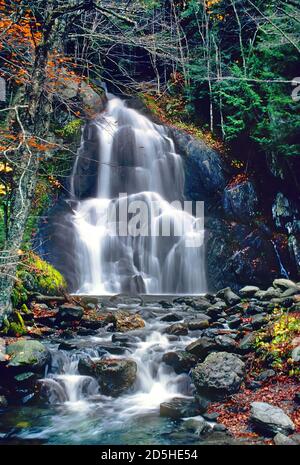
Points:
x=137, y=164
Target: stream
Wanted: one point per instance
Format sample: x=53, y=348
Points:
x=76, y=413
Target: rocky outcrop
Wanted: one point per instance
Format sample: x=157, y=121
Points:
x=219, y=375
x=270, y=420
x=240, y=201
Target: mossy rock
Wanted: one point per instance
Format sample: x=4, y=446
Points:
x=28, y=354
x=36, y=275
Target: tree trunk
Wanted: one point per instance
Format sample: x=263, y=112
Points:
x=34, y=121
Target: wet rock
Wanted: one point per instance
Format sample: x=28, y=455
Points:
x=125, y=321
x=246, y=344
x=240, y=201
x=265, y=375
x=270, y=293
x=248, y=291
x=283, y=284
x=270, y=420
x=86, y=332
x=115, y=376
x=129, y=301
x=200, y=304
x=93, y=324
x=206, y=344
x=199, y=323
x=253, y=309
x=253, y=385
x=177, y=329
x=69, y=312
x=170, y=317
x=211, y=416
x=220, y=374
x=165, y=304
x=28, y=354
x=282, y=440
x=67, y=346
x=179, y=407
x=234, y=321
x=196, y=426
x=220, y=428
x=258, y=320
x=180, y=361
x=229, y=296
x=3, y=402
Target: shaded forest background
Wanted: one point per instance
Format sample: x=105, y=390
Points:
x=224, y=71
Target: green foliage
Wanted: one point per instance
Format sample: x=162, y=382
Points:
x=14, y=325
x=274, y=344
x=71, y=130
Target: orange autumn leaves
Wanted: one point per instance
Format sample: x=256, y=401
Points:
x=21, y=34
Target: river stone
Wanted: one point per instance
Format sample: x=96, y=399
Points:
x=258, y=320
x=170, y=317
x=296, y=354
x=115, y=376
x=200, y=304
x=179, y=407
x=198, y=323
x=196, y=426
x=177, y=329
x=283, y=284
x=229, y=296
x=270, y=420
x=206, y=344
x=282, y=440
x=125, y=321
x=220, y=374
x=69, y=312
x=28, y=354
x=180, y=361
x=248, y=291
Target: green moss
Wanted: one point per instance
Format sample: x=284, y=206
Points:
x=14, y=325
x=36, y=275
x=71, y=130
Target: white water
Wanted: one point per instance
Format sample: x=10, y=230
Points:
x=79, y=398
x=136, y=158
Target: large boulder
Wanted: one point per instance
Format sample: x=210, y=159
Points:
x=220, y=374
x=270, y=420
x=115, y=376
x=125, y=321
x=27, y=354
x=212, y=343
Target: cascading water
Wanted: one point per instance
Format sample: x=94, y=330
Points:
x=137, y=163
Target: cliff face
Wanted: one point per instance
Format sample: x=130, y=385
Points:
x=249, y=238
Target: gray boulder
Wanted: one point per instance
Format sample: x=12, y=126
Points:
x=296, y=354
x=219, y=375
x=179, y=407
x=229, y=296
x=28, y=354
x=282, y=440
x=115, y=376
x=270, y=420
x=283, y=284
x=248, y=291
